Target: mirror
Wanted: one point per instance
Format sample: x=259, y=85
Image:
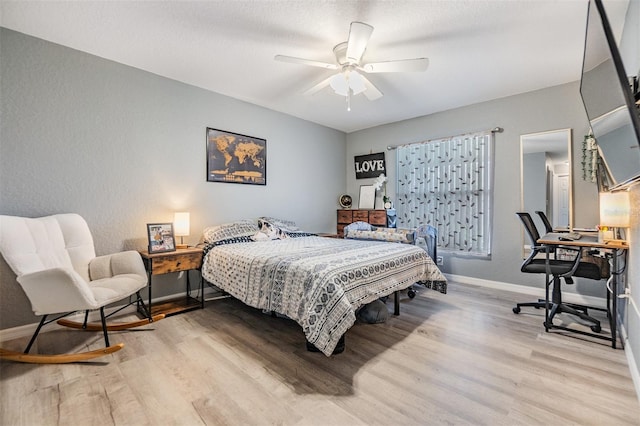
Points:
x=546, y=178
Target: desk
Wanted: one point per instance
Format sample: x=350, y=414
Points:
x=590, y=241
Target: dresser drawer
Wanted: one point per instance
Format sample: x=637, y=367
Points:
x=345, y=216
x=361, y=216
x=175, y=263
x=378, y=217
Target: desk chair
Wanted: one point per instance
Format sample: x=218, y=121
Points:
x=557, y=269
x=55, y=263
x=427, y=238
x=545, y=221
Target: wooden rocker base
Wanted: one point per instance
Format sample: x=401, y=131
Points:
x=58, y=359
x=95, y=326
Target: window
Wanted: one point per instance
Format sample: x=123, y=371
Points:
x=447, y=183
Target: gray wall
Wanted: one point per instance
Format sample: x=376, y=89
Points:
x=124, y=147
x=553, y=108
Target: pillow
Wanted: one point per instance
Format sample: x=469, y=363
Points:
x=240, y=228
x=268, y=231
x=351, y=229
x=358, y=226
x=397, y=234
x=285, y=225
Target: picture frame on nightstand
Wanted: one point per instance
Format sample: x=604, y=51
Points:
x=161, y=237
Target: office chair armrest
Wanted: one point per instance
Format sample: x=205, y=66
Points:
x=66, y=291
x=554, y=249
x=126, y=262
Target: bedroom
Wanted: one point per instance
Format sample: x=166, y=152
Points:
x=125, y=147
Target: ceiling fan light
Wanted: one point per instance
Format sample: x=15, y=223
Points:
x=339, y=84
x=356, y=82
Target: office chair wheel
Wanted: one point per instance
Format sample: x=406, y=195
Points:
x=596, y=328
x=516, y=310
x=411, y=294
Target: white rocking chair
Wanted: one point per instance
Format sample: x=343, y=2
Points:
x=56, y=265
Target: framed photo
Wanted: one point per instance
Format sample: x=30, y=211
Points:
x=367, y=198
x=161, y=237
x=236, y=158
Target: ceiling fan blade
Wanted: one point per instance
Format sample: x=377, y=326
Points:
x=283, y=58
x=315, y=89
x=359, y=35
x=403, y=65
x=372, y=93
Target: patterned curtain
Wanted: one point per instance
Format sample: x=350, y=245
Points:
x=447, y=183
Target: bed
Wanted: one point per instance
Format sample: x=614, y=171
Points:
x=318, y=282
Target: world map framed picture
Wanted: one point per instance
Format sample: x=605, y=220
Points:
x=236, y=158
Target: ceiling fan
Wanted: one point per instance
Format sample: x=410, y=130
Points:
x=350, y=81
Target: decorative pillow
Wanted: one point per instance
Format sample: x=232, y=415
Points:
x=352, y=228
x=240, y=228
x=397, y=234
x=359, y=226
x=382, y=234
x=268, y=231
x=285, y=225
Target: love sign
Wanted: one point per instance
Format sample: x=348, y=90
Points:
x=370, y=166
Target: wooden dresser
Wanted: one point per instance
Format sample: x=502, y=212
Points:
x=347, y=216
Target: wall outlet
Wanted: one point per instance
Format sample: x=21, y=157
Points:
x=439, y=260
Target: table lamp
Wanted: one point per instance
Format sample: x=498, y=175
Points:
x=181, y=227
x=614, y=211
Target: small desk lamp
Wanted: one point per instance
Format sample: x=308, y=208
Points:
x=614, y=210
x=181, y=227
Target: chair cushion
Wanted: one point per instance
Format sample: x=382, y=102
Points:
x=560, y=267
x=125, y=262
x=57, y=290
x=109, y=290
x=35, y=244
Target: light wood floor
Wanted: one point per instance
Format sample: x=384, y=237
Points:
x=460, y=358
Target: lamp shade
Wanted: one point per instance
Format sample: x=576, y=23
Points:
x=342, y=82
x=181, y=226
x=615, y=209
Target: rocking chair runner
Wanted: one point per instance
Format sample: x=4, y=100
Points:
x=56, y=265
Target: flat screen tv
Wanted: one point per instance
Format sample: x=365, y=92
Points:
x=608, y=98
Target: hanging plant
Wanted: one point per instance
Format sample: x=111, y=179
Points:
x=589, y=158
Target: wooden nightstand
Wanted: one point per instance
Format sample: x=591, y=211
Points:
x=174, y=261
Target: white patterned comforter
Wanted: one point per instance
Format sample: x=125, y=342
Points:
x=318, y=282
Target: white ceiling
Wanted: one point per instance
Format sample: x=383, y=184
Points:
x=478, y=49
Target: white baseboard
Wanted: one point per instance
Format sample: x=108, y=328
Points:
x=633, y=366
x=29, y=329
x=578, y=299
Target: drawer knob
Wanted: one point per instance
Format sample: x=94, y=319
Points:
x=178, y=264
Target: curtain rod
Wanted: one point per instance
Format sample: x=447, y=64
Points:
x=494, y=130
